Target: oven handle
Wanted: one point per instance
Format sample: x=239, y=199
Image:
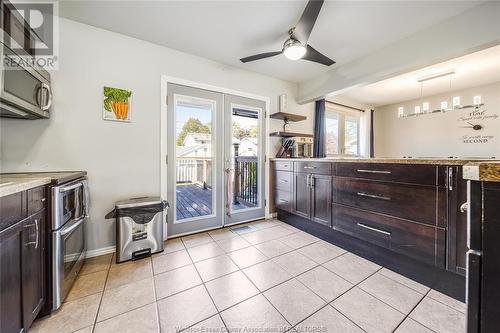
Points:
x=69, y=230
x=49, y=96
x=71, y=187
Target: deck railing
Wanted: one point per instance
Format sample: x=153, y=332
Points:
x=198, y=170
x=195, y=170
x=245, y=180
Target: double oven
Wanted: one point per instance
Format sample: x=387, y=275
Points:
x=70, y=210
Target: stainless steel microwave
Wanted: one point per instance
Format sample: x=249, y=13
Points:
x=25, y=91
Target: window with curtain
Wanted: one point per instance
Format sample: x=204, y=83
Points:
x=342, y=132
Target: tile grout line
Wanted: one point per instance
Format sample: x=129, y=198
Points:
x=345, y=292
x=447, y=305
x=262, y=293
x=155, y=299
x=211, y=299
x=408, y=315
x=102, y=295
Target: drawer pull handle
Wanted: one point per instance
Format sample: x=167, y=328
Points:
x=374, y=229
x=283, y=181
x=310, y=167
x=283, y=200
x=374, y=196
x=374, y=171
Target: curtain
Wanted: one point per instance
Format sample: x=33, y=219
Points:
x=372, y=143
x=319, y=129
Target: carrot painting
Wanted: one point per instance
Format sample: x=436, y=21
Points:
x=117, y=104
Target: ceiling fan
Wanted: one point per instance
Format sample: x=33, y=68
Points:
x=296, y=47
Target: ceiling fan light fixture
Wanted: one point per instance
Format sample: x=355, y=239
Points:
x=293, y=49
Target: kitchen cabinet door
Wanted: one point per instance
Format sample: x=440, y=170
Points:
x=321, y=199
x=33, y=268
x=11, y=240
x=301, y=192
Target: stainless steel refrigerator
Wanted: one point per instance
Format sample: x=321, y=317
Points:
x=483, y=257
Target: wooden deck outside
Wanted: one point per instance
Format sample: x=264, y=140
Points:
x=193, y=201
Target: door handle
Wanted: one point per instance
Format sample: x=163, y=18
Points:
x=464, y=207
x=450, y=179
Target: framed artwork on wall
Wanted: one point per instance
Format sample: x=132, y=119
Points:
x=117, y=104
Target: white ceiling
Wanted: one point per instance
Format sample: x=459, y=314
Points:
x=472, y=70
x=226, y=31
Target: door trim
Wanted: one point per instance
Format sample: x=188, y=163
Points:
x=165, y=79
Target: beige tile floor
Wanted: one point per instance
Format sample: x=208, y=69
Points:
x=271, y=276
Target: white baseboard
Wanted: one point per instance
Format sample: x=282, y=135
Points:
x=100, y=252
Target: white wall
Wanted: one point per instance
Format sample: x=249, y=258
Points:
x=122, y=159
x=438, y=134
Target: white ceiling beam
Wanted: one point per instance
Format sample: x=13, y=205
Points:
x=470, y=31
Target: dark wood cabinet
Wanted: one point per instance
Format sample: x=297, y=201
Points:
x=321, y=199
x=11, y=240
x=312, y=193
x=301, y=194
x=411, y=209
x=407, y=201
x=33, y=266
x=400, y=173
x=22, y=259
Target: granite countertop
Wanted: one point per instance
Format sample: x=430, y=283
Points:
x=487, y=171
x=432, y=160
x=11, y=183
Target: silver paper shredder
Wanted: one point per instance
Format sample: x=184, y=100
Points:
x=139, y=227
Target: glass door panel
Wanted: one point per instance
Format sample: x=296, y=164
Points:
x=244, y=158
x=194, y=171
x=194, y=157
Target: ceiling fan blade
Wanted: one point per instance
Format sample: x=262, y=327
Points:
x=260, y=56
x=316, y=56
x=305, y=25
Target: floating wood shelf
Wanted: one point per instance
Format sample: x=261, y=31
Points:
x=282, y=134
x=288, y=117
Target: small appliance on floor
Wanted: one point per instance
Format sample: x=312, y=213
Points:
x=139, y=227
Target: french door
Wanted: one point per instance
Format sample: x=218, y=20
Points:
x=244, y=159
x=215, y=159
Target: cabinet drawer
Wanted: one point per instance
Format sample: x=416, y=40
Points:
x=282, y=200
x=321, y=168
x=283, y=165
x=415, y=240
x=283, y=180
x=12, y=209
x=413, y=202
x=37, y=198
x=401, y=173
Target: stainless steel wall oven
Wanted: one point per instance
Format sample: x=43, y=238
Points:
x=70, y=202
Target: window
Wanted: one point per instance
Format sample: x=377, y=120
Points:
x=341, y=132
